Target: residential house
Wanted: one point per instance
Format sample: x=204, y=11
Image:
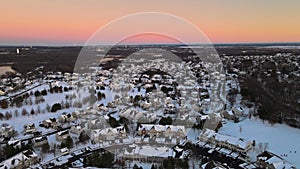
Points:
x=76, y=129
x=39, y=141
x=225, y=141
x=50, y=123
x=62, y=135
x=66, y=118
x=7, y=131
x=29, y=128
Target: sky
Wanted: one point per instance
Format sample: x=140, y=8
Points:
x=73, y=22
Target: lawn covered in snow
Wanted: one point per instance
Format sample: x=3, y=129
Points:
x=281, y=138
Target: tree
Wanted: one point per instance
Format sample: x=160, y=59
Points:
x=166, y=121
x=67, y=105
x=67, y=143
x=153, y=166
x=56, y=107
x=44, y=92
x=37, y=93
x=113, y=122
x=45, y=148
x=4, y=104
x=16, y=112
x=48, y=107
x=32, y=112
x=83, y=137
x=135, y=166
x=38, y=109
x=24, y=112
x=8, y=115
x=30, y=101
x=95, y=160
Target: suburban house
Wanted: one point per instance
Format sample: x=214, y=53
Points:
x=21, y=160
x=162, y=130
x=107, y=134
x=66, y=118
x=7, y=131
x=270, y=160
x=76, y=129
x=39, y=141
x=62, y=135
x=230, y=115
x=225, y=141
x=29, y=128
x=50, y=123
x=97, y=123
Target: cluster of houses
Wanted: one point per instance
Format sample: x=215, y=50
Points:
x=162, y=133
x=107, y=134
x=21, y=160
x=138, y=116
x=96, y=127
x=8, y=85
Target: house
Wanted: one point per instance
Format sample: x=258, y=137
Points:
x=97, y=123
x=29, y=128
x=62, y=135
x=162, y=130
x=50, y=123
x=76, y=129
x=272, y=161
x=15, y=143
x=66, y=118
x=225, y=141
x=238, y=111
x=107, y=134
x=230, y=115
x=7, y=131
x=39, y=141
x=21, y=160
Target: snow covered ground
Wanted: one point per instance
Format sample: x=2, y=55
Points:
x=281, y=138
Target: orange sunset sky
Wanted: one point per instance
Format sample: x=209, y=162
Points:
x=72, y=22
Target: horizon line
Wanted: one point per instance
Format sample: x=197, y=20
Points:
x=158, y=44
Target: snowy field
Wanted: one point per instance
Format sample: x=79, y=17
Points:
x=281, y=138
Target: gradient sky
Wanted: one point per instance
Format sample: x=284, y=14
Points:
x=69, y=22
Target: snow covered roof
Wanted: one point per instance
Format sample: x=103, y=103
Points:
x=161, y=128
x=150, y=151
x=110, y=130
x=211, y=134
